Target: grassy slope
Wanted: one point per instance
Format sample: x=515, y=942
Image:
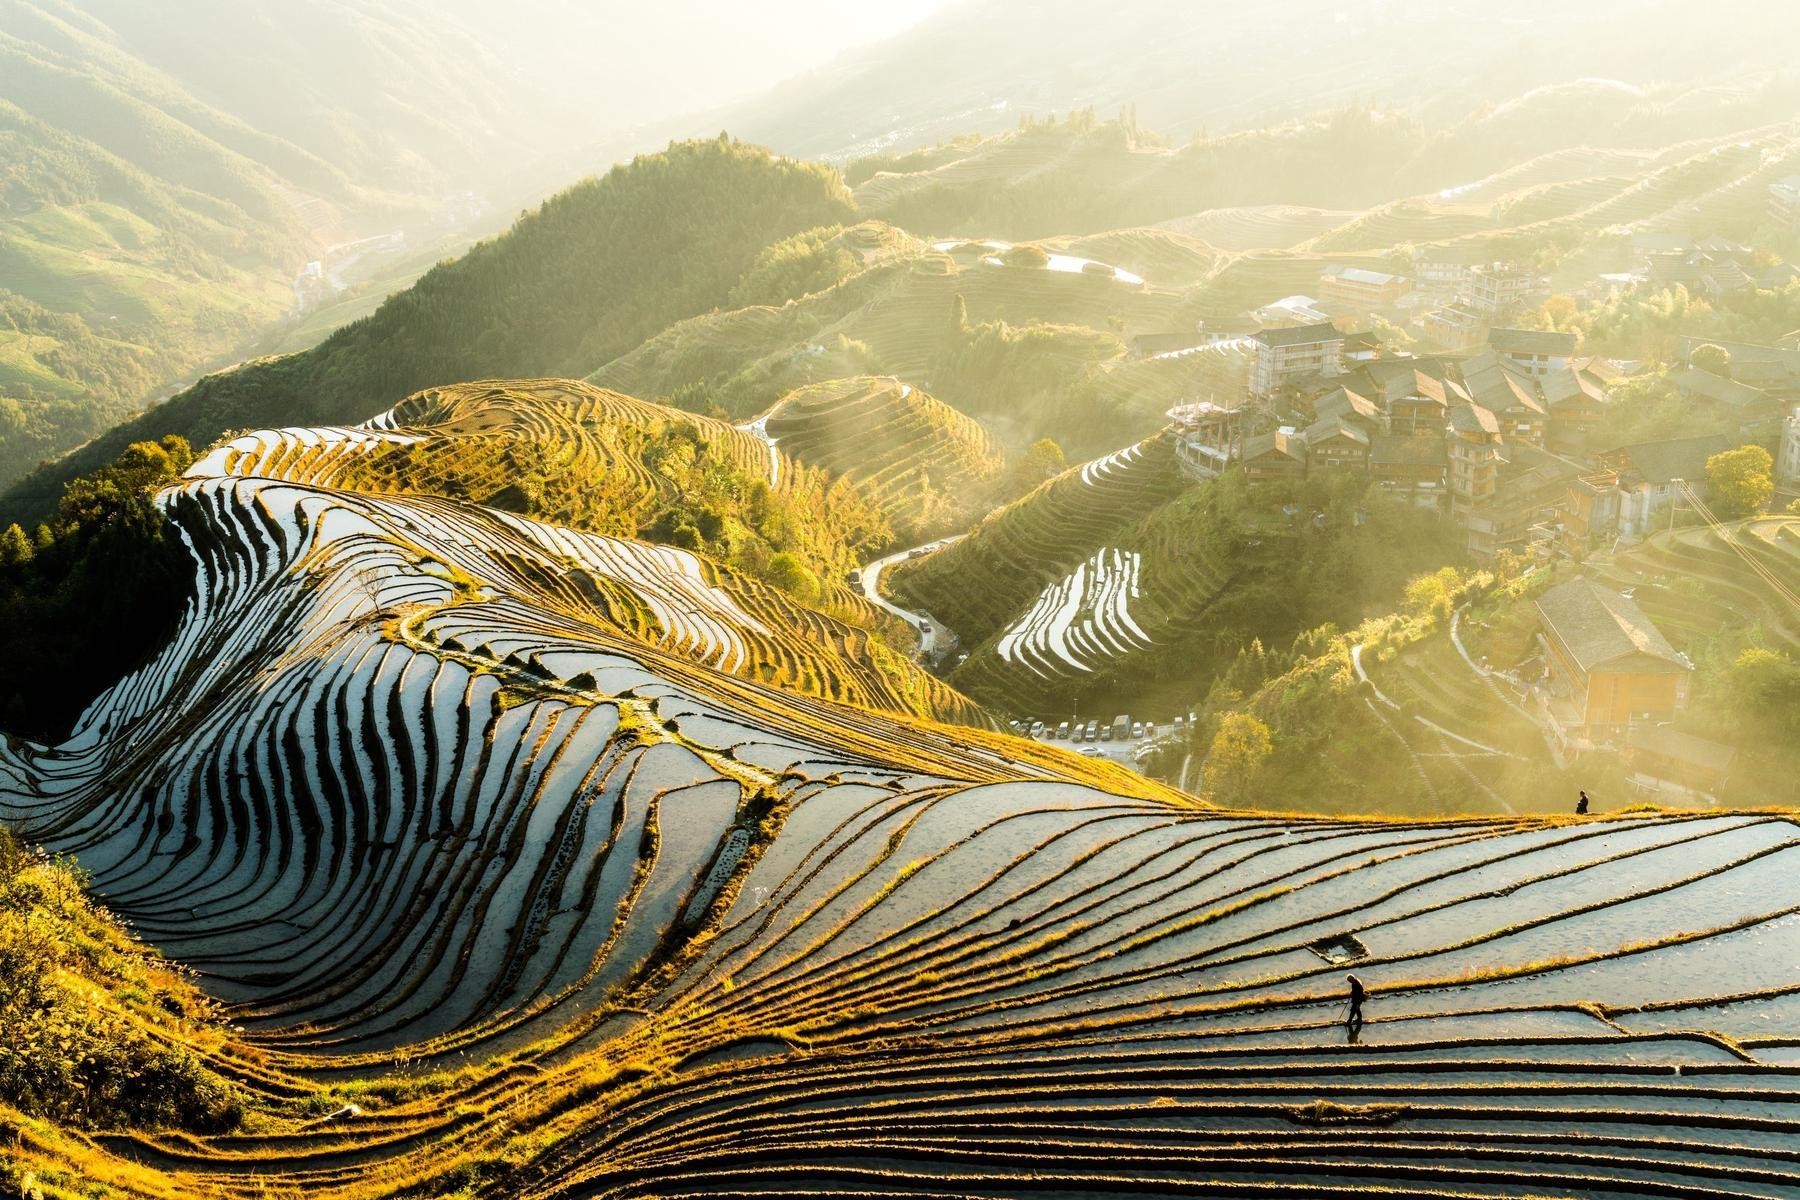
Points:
x=98, y=1032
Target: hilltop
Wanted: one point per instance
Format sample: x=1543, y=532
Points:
x=1192, y=71
x=930, y=468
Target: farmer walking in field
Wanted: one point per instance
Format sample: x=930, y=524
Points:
x=1581, y=805
x=1354, y=1022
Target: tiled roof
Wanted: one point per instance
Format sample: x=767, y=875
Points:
x=1287, y=445
x=1472, y=418
x=1300, y=335
x=1682, y=747
x=1598, y=626
x=1419, y=450
x=1695, y=382
x=1676, y=458
x=1531, y=341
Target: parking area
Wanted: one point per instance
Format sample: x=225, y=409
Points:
x=1123, y=740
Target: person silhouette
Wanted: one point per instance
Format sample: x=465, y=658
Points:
x=1581, y=805
x=1353, y=1023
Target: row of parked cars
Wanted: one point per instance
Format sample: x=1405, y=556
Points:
x=1121, y=728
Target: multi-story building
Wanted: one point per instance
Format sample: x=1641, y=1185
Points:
x=1336, y=444
x=1475, y=454
x=1359, y=288
x=1274, y=456
x=1496, y=289
x=1207, y=438
x=1285, y=356
x=1533, y=351
x=1410, y=465
x=1787, y=462
x=1653, y=476
x=1455, y=326
x=1590, y=512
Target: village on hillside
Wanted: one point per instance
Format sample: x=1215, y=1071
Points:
x=1455, y=388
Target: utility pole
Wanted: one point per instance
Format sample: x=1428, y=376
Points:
x=1674, y=500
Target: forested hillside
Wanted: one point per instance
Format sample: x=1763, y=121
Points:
x=590, y=273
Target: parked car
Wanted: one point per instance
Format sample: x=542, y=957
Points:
x=856, y=579
x=1106, y=733
x=1062, y=732
x=924, y=626
x=1091, y=751
x=1137, y=729
x=1093, y=731
x=1037, y=729
x=1121, y=727
x=1179, y=728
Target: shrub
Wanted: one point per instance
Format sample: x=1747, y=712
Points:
x=90, y=1022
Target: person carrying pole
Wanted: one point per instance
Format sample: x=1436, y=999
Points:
x=1358, y=993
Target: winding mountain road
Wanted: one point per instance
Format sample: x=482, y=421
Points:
x=871, y=579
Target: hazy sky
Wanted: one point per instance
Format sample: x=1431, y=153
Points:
x=680, y=56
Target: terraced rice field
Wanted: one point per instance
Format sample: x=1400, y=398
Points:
x=472, y=441
x=1008, y=562
x=1269, y=227
x=928, y=466
x=419, y=782
x=1694, y=582
x=1089, y=577
x=1081, y=620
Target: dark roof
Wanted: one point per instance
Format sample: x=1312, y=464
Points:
x=1560, y=387
x=1419, y=450
x=1264, y=444
x=1676, y=458
x=1300, y=335
x=1682, y=747
x=1495, y=384
x=1531, y=341
x=1778, y=276
x=1599, y=626
x=1707, y=386
x=1472, y=418
x=1330, y=427
x=1342, y=402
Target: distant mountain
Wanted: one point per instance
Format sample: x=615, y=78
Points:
x=587, y=276
x=1189, y=68
x=167, y=169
